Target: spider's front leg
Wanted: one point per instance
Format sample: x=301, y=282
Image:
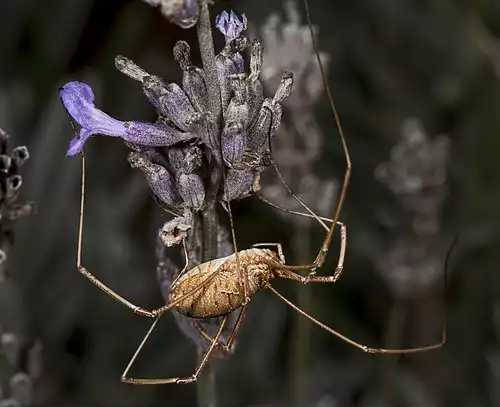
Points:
x=113, y=294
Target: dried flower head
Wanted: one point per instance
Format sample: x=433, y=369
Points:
x=180, y=154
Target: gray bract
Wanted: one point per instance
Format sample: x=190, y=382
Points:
x=189, y=157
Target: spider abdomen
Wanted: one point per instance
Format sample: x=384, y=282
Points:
x=223, y=294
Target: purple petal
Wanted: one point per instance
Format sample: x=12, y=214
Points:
x=78, y=99
x=76, y=145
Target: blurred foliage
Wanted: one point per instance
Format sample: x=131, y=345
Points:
x=390, y=60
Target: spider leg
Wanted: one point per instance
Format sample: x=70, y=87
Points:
x=176, y=380
x=110, y=292
x=307, y=215
x=358, y=345
x=228, y=347
x=391, y=351
x=343, y=230
x=278, y=246
x=323, y=251
x=320, y=258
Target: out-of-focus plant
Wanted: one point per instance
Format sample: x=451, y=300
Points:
x=16, y=376
x=416, y=175
x=288, y=45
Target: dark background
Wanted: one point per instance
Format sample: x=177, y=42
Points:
x=390, y=60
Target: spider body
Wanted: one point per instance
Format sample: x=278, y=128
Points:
x=223, y=294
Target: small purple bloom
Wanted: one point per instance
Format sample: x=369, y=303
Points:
x=78, y=99
x=230, y=25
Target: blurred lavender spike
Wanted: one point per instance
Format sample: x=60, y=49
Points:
x=78, y=99
x=416, y=175
x=288, y=44
x=183, y=13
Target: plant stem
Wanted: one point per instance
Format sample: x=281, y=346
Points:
x=206, y=386
x=207, y=52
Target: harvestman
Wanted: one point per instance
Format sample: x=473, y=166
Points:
x=213, y=288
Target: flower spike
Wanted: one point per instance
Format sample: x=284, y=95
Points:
x=78, y=99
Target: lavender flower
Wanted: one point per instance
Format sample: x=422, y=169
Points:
x=78, y=99
x=230, y=25
x=187, y=175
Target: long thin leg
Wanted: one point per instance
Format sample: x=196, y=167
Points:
x=311, y=213
x=343, y=227
x=320, y=257
x=293, y=276
x=343, y=231
x=228, y=347
x=278, y=246
x=117, y=297
x=292, y=212
x=358, y=345
x=186, y=262
x=177, y=380
x=139, y=310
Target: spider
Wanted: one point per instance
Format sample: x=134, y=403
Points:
x=213, y=288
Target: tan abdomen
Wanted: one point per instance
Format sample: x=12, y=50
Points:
x=222, y=295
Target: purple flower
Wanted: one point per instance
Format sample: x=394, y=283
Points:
x=230, y=25
x=78, y=99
